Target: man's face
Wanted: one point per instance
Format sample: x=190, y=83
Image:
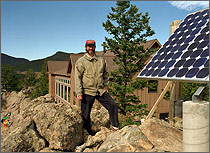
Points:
x=90, y=49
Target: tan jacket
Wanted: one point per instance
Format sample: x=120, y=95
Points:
x=91, y=75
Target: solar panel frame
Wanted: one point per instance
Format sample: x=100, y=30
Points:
x=190, y=39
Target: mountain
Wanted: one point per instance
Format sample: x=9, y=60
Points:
x=36, y=65
x=6, y=59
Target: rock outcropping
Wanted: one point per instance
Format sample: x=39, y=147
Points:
x=41, y=125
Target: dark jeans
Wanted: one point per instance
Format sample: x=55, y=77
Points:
x=106, y=100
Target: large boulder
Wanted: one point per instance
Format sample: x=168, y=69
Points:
x=128, y=139
x=59, y=124
x=93, y=142
x=162, y=135
x=38, y=124
x=23, y=139
x=49, y=150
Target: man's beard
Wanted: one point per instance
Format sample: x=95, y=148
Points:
x=91, y=53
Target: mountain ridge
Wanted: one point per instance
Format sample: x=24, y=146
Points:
x=22, y=64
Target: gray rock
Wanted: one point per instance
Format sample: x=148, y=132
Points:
x=49, y=150
x=49, y=125
x=60, y=125
x=129, y=138
x=23, y=139
x=93, y=142
x=162, y=135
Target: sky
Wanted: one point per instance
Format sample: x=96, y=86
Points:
x=38, y=29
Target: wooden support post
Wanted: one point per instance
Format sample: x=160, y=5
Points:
x=158, y=100
x=172, y=98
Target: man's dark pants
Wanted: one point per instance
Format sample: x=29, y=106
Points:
x=106, y=100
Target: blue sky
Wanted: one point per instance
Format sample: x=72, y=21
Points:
x=38, y=29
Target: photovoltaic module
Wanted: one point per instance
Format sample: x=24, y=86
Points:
x=185, y=55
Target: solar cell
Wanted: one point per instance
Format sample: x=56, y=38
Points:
x=156, y=72
x=207, y=63
x=200, y=37
x=149, y=72
x=193, y=45
x=181, y=40
x=205, y=53
x=189, y=63
x=170, y=63
x=200, y=62
x=155, y=64
x=163, y=72
x=204, y=30
x=195, y=31
x=169, y=56
x=175, y=48
x=196, y=53
x=206, y=37
x=182, y=72
x=189, y=39
x=162, y=64
x=177, y=55
x=203, y=73
x=203, y=44
x=192, y=72
x=173, y=72
x=185, y=55
x=180, y=63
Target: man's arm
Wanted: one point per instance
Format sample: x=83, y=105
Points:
x=79, y=69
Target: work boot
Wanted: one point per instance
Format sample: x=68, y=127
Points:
x=115, y=128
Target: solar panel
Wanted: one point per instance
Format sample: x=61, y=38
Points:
x=185, y=55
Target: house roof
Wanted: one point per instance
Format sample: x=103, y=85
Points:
x=148, y=44
x=64, y=67
x=57, y=67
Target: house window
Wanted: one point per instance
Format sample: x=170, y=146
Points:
x=68, y=94
x=56, y=88
x=65, y=93
x=153, y=86
x=61, y=91
x=164, y=116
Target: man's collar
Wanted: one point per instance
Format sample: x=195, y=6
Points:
x=89, y=57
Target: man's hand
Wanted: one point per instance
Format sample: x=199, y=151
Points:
x=106, y=89
x=79, y=97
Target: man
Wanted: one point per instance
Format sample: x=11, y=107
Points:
x=91, y=82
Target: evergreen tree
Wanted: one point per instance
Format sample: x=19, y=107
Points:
x=128, y=29
x=188, y=89
x=41, y=86
x=9, y=80
x=29, y=79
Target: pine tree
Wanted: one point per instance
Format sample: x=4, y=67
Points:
x=9, y=80
x=128, y=29
x=41, y=86
x=29, y=79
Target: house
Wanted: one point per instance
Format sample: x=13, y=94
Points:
x=62, y=84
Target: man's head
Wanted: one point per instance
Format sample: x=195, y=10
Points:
x=90, y=46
